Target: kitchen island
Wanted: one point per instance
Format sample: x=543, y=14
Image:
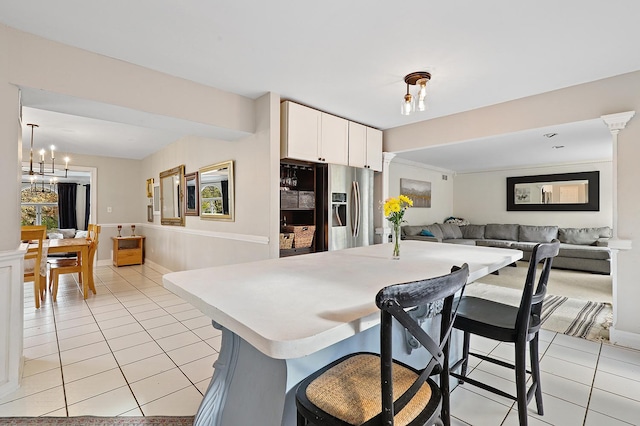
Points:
x=282, y=319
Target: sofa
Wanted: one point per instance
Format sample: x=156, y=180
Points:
x=57, y=233
x=581, y=249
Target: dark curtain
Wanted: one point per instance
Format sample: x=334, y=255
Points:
x=225, y=196
x=87, y=205
x=67, y=205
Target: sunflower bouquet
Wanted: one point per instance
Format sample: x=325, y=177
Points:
x=394, y=209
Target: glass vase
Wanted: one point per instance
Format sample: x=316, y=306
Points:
x=396, y=240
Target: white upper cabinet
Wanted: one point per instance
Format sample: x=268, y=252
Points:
x=365, y=147
x=311, y=135
x=334, y=140
x=357, y=145
x=300, y=132
x=374, y=149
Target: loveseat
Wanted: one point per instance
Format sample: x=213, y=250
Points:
x=582, y=249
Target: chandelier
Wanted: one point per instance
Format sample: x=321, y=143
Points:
x=42, y=172
x=418, y=78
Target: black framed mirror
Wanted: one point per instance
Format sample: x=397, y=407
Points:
x=556, y=192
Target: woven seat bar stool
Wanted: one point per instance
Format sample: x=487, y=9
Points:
x=515, y=324
x=374, y=389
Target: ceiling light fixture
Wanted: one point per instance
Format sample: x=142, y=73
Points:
x=418, y=78
x=42, y=171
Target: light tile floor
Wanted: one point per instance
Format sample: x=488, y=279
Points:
x=132, y=349
x=136, y=349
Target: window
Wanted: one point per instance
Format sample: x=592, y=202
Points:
x=211, y=199
x=39, y=207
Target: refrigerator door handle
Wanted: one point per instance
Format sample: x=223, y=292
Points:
x=355, y=201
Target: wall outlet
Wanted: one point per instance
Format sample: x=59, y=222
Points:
x=109, y=209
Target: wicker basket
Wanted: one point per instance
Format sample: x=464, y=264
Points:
x=303, y=234
x=286, y=241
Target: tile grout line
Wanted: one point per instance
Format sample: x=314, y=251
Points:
x=64, y=388
x=593, y=381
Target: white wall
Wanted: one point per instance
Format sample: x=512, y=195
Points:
x=201, y=242
x=441, y=191
x=481, y=198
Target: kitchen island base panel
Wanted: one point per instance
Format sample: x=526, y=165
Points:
x=250, y=388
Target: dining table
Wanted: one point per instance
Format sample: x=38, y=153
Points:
x=282, y=319
x=81, y=247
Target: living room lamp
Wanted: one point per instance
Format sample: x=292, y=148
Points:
x=418, y=78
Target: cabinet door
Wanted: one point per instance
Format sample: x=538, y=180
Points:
x=357, y=145
x=300, y=132
x=334, y=140
x=374, y=149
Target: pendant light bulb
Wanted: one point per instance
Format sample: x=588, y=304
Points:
x=407, y=106
x=422, y=94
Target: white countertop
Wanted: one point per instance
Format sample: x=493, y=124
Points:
x=294, y=306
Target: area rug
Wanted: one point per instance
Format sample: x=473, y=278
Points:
x=573, y=317
x=98, y=421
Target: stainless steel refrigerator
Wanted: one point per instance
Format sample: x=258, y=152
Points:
x=349, y=207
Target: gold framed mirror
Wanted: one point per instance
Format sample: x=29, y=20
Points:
x=172, y=196
x=216, y=191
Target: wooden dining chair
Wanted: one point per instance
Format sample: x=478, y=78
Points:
x=375, y=389
x=33, y=234
x=515, y=324
x=61, y=266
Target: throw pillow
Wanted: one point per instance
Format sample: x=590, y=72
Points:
x=496, y=231
x=426, y=233
x=473, y=232
x=580, y=236
x=66, y=233
x=450, y=231
x=537, y=234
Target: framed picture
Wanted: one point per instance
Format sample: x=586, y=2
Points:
x=150, y=188
x=419, y=191
x=192, y=204
x=150, y=213
x=156, y=200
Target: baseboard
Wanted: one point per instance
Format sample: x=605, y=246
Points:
x=157, y=267
x=152, y=265
x=624, y=338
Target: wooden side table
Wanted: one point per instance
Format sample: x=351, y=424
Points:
x=128, y=250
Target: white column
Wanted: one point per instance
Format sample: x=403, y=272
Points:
x=386, y=162
x=11, y=319
x=616, y=122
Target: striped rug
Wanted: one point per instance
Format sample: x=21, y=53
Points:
x=574, y=317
